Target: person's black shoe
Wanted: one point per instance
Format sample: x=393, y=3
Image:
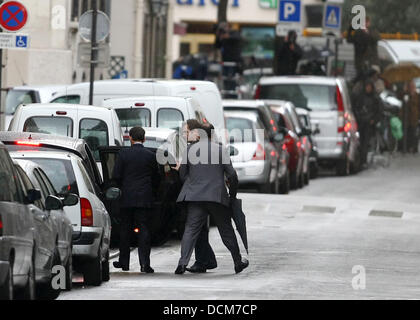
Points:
x=211, y=266
x=147, y=269
x=118, y=265
x=243, y=265
x=196, y=268
x=180, y=269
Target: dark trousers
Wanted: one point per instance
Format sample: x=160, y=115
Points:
x=196, y=220
x=365, y=130
x=204, y=254
x=132, y=218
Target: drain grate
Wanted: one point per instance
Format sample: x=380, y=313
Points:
x=387, y=214
x=318, y=209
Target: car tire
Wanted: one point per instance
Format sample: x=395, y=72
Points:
x=92, y=273
x=275, y=186
x=29, y=291
x=285, y=188
x=105, y=268
x=265, y=187
x=301, y=181
x=45, y=291
x=343, y=167
x=314, y=170
x=306, y=178
x=294, y=180
x=356, y=165
x=69, y=272
x=6, y=290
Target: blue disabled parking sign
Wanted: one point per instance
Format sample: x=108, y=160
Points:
x=290, y=11
x=332, y=17
x=21, y=41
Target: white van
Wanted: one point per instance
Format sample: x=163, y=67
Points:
x=205, y=93
x=154, y=112
x=98, y=126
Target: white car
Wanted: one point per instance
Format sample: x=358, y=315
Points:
x=64, y=162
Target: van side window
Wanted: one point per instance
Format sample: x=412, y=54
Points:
x=169, y=118
x=60, y=126
x=72, y=99
x=95, y=133
x=8, y=190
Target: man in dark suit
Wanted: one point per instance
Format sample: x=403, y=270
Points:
x=204, y=167
x=136, y=173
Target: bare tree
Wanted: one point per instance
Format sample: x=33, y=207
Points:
x=222, y=11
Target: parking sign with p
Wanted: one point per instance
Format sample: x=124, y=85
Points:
x=290, y=11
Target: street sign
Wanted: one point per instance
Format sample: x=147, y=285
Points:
x=268, y=4
x=84, y=55
x=13, y=16
x=102, y=29
x=290, y=17
x=13, y=41
x=332, y=18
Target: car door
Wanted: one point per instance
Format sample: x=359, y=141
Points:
x=44, y=230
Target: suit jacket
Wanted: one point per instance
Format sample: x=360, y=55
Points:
x=204, y=180
x=136, y=173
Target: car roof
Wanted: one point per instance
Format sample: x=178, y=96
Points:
x=160, y=133
x=64, y=106
x=173, y=82
x=147, y=99
x=50, y=88
x=405, y=50
x=298, y=80
x=243, y=103
x=242, y=114
x=60, y=142
x=24, y=154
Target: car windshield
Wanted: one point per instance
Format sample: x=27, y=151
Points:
x=60, y=126
x=131, y=117
x=17, y=97
x=312, y=96
x=240, y=129
x=65, y=182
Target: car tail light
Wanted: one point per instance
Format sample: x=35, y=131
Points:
x=284, y=147
x=193, y=88
x=28, y=143
x=273, y=153
x=257, y=92
x=347, y=127
x=340, y=103
x=305, y=139
x=299, y=144
x=140, y=104
x=259, y=154
x=136, y=230
x=86, y=212
x=61, y=113
x=1, y=226
x=340, y=108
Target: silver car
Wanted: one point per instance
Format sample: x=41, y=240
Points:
x=330, y=108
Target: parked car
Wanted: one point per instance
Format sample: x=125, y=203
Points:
x=17, y=234
x=257, y=160
x=48, y=238
x=28, y=95
x=205, y=93
x=98, y=126
x=265, y=115
x=309, y=142
x=57, y=218
x=154, y=112
x=329, y=104
x=293, y=133
x=79, y=175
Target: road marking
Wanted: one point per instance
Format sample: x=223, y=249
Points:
x=387, y=214
x=318, y=209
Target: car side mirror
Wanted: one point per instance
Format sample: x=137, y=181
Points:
x=70, y=200
x=113, y=194
x=279, y=137
x=316, y=131
x=33, y=195
x=53, y=203
x=233, y=151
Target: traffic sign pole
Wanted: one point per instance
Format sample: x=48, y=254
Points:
x=2, y=113
x=93, y=51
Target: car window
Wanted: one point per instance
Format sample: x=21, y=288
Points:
x=72, y=99
x=95, y=133
x=61, y=126
x=41, y=183
x=132, y=117
x=47, y=182
x=315, y=97
x=15, y=98
x=169, y=118
x=85, y=177
x=240, y=129
x=28, y=185
x=8, y=190
x=63, y=183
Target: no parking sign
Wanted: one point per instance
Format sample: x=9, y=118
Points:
x=13, y=16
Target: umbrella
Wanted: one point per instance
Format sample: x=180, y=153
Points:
x=402, y=72
x=238, y=217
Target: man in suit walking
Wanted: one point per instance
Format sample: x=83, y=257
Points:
x=136, y=173
x=204, y=167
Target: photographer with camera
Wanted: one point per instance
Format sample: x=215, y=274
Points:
x=289, y=55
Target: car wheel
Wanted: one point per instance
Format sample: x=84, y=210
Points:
x=285, y=188
x=301, y=182
x=105, y=268
x=46, y=291
x=275, y=186
x=306, y=178
x=265, y=187
x=343, y=167
x=314, y=170
x=294, y=180
x=69, y=272
x=6, y=290
x=93, y=271
x=356, y=164
x=28, y=292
